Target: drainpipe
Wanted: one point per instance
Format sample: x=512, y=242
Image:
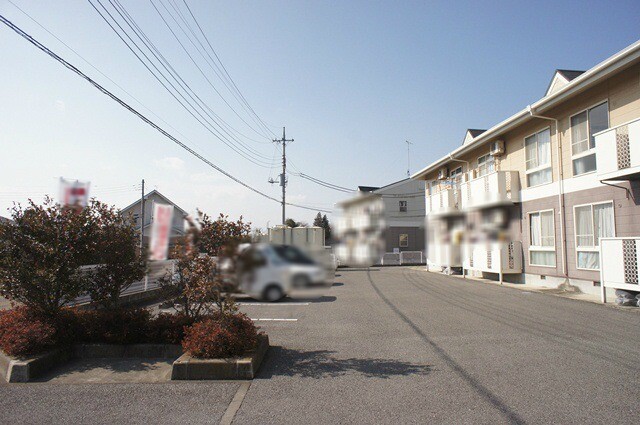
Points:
x=464, y=276
x=563, y=250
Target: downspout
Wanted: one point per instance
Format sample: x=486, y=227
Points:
x=563, y=250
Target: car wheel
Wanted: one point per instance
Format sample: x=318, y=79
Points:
x=272, y=293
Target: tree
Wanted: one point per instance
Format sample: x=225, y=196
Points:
x=194, y=286
x=197, y=285
x=118, y=260
x=41, y=253
x=327, y=228
x=214, y=236
x=323, y=221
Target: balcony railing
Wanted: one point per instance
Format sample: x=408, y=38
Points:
x=446, y=201
x=493, y=257
x=496, y=188
x=618, y=152
x=620, y=267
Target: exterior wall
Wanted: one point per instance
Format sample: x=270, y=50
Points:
x=622, y=92
x=177, y=223
x=416, y=238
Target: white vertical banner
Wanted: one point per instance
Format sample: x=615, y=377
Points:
x=74, y=193
x=160, y=231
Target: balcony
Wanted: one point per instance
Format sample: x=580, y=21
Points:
x=493, y=257
x=620, y=268
x=444, y=255
x=444, y=202
x=618, y=152
x=493, y=189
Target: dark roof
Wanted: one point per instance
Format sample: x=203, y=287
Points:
x=367, y=188
x=5, y=220
x=568, y=74
x=475, y=132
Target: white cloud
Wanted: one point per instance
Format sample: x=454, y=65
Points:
x=170, y=163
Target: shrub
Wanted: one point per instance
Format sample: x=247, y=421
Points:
x=167, y=328
x=221, y=336
x=121, y=326
x=23, y=333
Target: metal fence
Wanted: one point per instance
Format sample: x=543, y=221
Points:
x=156, y=270
x=404, y=258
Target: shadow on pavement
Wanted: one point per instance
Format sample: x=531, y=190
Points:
x=283, y=361
x=338, y=284
x=103, y=369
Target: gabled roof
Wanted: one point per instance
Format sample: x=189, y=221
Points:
x=561, y=77
x=5, y=220
x=367, y=188
x=471, y=134
x=155, y=192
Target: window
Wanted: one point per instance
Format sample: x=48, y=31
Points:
x=403, y=206
x=486, y=165
x=583, y=145
x=592, y=222
x=404, y=240
x=456, y=175
x=542, y=249
x=537, y=152
x=433, y=187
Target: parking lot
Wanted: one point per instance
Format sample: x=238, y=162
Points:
x=392, y=345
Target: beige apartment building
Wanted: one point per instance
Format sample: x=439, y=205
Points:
x=549, y=196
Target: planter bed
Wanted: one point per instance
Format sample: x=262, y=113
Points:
x=184, y=368
x=245, y=367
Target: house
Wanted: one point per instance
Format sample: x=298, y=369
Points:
x=134, y=211
x=531, y=199
x=379, y=220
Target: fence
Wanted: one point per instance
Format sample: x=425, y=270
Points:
x=156, y=270
x=403, y=258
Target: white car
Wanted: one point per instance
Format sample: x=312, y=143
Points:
x=270, y=272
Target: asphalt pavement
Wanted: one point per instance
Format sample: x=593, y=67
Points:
x=393, y=345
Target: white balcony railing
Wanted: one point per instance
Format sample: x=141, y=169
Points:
x=496, y=188
x=618, y=152
x=620, y=266
x=445, y=201
x=493, y=257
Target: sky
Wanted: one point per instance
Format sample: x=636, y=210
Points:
x=350, y=80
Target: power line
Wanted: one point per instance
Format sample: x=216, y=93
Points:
x=225, y=69
x=196, y=64
x=179, y=81
x=122, y=103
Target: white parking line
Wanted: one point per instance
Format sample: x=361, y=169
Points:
x=273, y=304
x=275, y=320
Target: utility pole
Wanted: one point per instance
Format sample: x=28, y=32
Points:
x=408, y=157
x=283, y=176
x=142, y=220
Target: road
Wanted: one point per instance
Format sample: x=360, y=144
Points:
x=396, y=345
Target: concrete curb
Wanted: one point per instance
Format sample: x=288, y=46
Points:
x=191, y=368
x=25, y=370
x=152, y=351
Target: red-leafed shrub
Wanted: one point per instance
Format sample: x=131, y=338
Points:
x=23, y=333
x=167, y=328
x=121, y=326
x=221, y=336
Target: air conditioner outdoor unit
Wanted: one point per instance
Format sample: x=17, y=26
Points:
x=497, y=148
x=443, y=173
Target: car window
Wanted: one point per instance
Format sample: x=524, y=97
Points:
x=292, y=254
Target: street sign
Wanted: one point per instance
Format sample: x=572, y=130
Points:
x=160, y=231
x=74, y=193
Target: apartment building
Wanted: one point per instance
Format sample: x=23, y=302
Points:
x=379, y=220
x=536, y=197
